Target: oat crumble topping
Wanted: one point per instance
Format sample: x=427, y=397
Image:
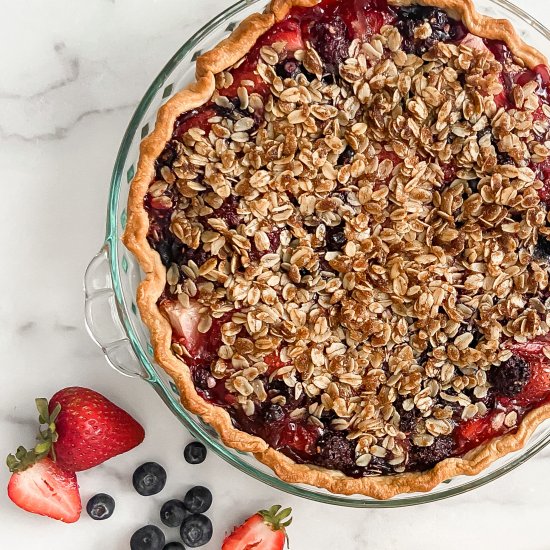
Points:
x=378, y=237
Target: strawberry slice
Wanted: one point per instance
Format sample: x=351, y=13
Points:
x=363, y=19
x=265, y=530
x=197, y=118
x=475, y=43
x=44, y=488
x=297, y=436
x=542, y=171
x=202, y=348
x=538, y=387
x=242, y=76
x=287, y=31
x=274, y=362
x=471, y=433
x=185, y=324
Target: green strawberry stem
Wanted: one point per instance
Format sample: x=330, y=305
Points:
x=47, y=436
x=276, y=518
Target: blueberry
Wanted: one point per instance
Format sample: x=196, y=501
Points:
x=195, y=452
x=198, y=499
x=335, y=237
x=100, y=506
x=510, y=377
x=173, y=513
x=287, y=68
x=443, y=28
x=346, y=157
x=196, y=530
x=542, y=249
x=164, y=250
x=167, y=157
x=473, y=185
x=149, y=479
x=504, y=158
x=174, y=546
x=149, y=537
x=424, y=458
x=274, y=413
x=378, y=467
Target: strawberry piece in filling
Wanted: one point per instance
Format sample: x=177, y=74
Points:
x=523, y=385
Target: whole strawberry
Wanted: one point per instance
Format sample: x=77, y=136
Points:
x=87, y=428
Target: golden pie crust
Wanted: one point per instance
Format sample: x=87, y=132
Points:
x=223, y=56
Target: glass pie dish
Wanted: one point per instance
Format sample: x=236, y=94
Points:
x=113, y=275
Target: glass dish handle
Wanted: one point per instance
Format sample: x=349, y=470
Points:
x=103, y=319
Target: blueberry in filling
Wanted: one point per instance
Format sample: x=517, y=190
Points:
x=441, y=28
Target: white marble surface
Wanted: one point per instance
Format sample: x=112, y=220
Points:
x=70, y=75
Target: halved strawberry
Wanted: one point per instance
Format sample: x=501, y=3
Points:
x=44, y=488
x=82, y=429
x=265, y=530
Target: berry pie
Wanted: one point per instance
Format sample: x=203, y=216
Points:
x=344, y=225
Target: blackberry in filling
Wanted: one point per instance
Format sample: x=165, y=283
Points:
x=330, y=38
x=424, y=458
x=351, y=271
x=510, y=377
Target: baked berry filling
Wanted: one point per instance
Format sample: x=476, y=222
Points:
x=354, y=230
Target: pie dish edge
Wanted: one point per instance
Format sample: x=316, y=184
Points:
x=223, y=56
